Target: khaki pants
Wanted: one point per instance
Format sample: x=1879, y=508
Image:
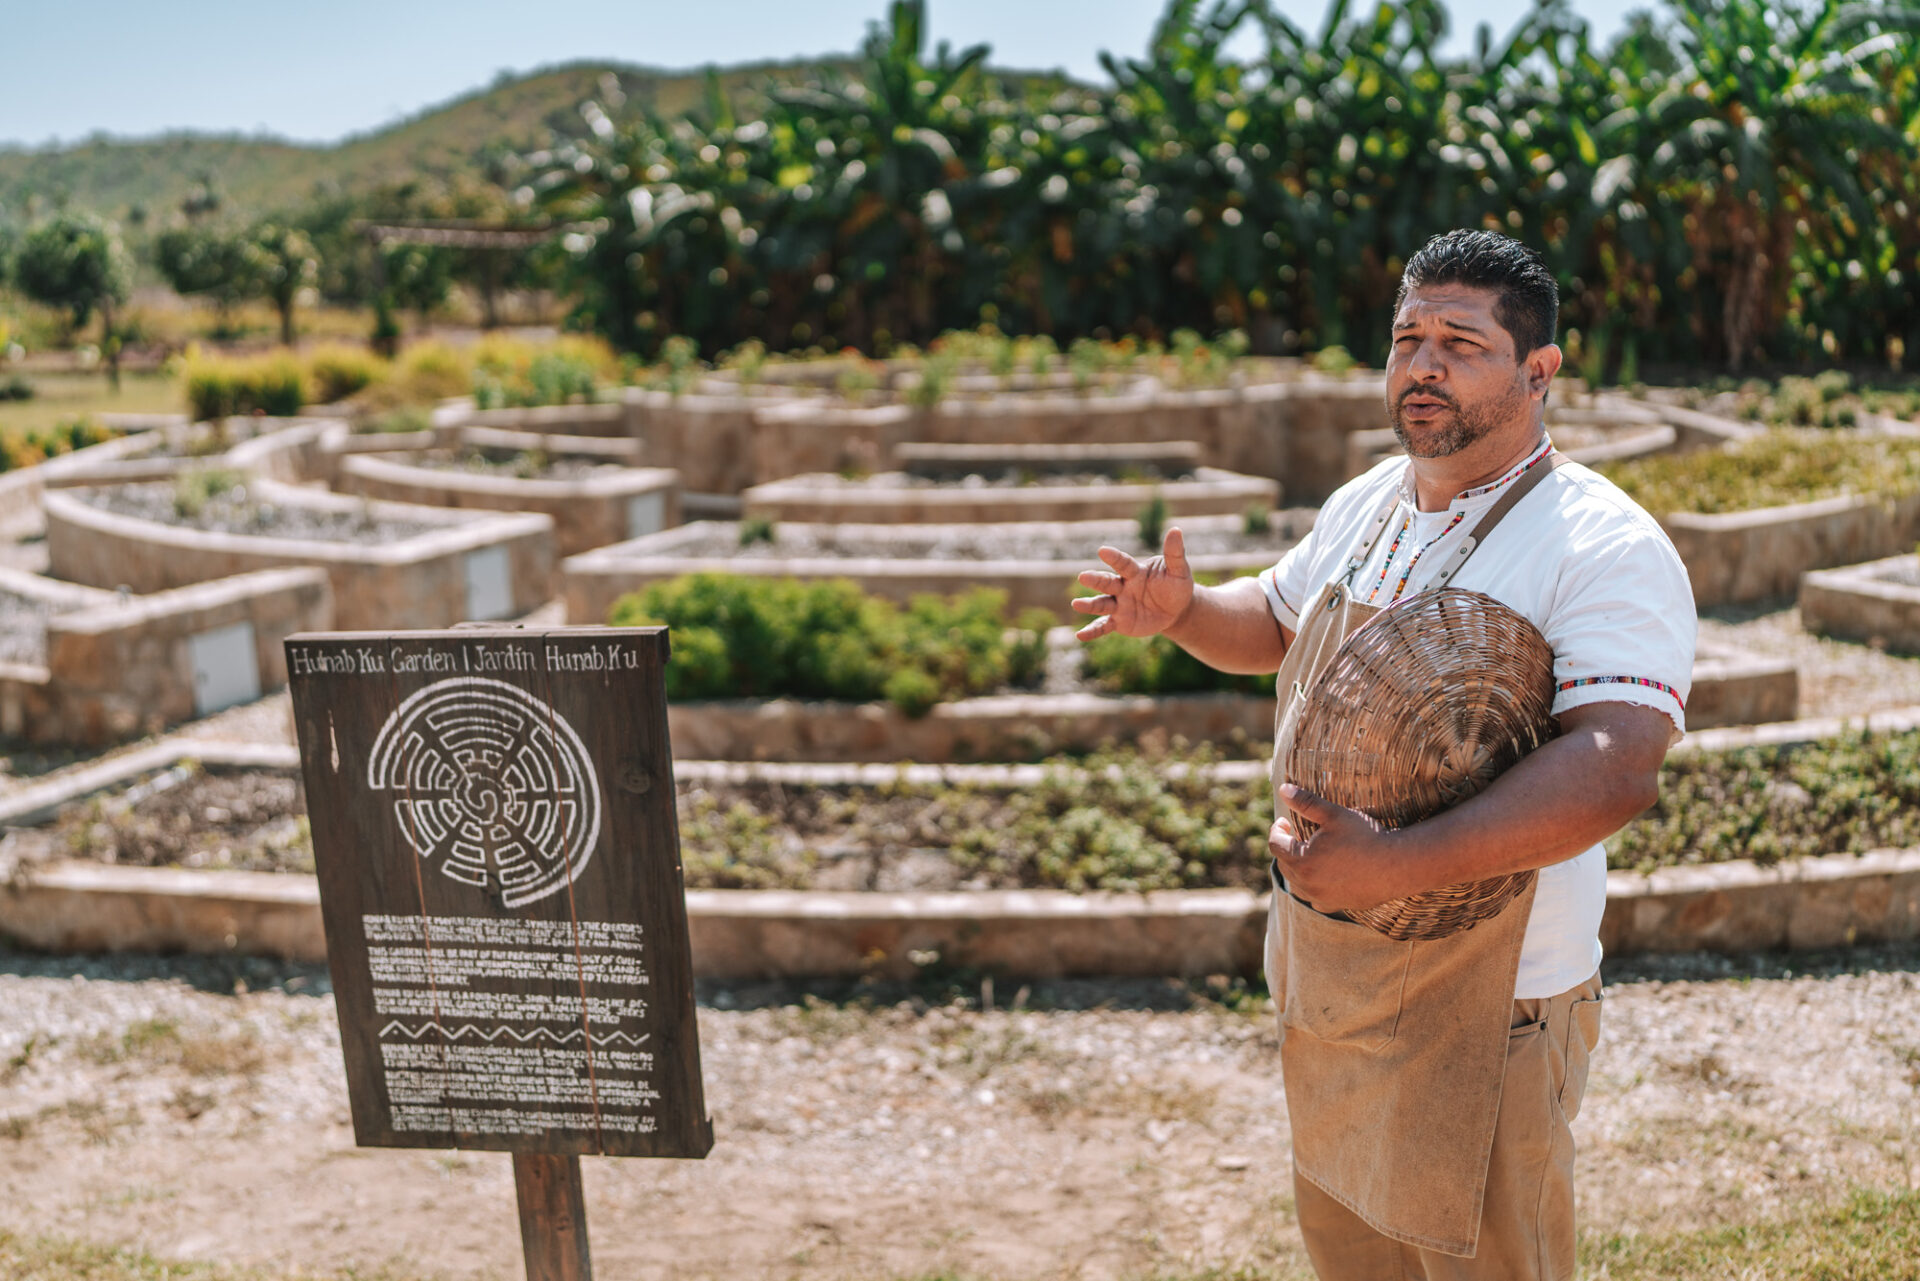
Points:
x=1526, y=1221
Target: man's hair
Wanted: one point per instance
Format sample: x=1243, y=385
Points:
x=1528, y=305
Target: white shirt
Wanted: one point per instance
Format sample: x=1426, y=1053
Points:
x=1583, y=563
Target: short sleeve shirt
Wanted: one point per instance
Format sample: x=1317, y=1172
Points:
x=1580, y=560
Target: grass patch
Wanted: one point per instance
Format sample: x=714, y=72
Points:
x=62, y=397
x=62, y=1259
x=205, y=1052
x=1871, y=1236
x=1773, y=470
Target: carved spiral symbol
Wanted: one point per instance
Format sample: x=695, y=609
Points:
x=492, y=786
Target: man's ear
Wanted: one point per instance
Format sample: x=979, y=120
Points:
x=1542, y=364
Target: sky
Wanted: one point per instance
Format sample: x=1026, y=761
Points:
x=318, y=73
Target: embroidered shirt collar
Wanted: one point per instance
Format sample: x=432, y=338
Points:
x=1512, y=474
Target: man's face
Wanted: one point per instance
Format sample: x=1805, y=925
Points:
x=1453, y=376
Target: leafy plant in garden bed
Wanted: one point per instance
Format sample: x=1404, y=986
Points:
x=1834, y=398
x=1842, y=795
x=1128, y=820
x=1772, y=470
x=739, y=636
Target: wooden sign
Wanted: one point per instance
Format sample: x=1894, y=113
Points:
x=499, y=865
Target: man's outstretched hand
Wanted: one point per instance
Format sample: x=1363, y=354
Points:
x=1140, y=597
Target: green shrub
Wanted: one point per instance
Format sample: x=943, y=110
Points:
x=1334, y=360
x=220, y=386
x=757, y=529
x=16, y=388
x=337, y=371
x=1255, y=519
x=738, y=636
x=1770, y=470
x=1127, y=665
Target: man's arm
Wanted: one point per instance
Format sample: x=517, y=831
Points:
x=1228, y=627
x=1600, y=774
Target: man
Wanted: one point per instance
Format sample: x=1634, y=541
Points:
x=1431, y=1084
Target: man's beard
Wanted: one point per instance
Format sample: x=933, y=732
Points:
x=1467, y=423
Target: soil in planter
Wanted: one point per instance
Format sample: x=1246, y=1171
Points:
x=236, y=511
x=184, y=816
x=1067, y=542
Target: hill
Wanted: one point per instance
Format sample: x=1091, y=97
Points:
x=256, y=174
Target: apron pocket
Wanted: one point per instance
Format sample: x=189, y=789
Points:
x=1344, y=982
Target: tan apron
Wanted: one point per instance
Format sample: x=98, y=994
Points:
x=1393, y=1052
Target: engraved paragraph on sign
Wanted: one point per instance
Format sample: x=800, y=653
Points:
x=460, y=1052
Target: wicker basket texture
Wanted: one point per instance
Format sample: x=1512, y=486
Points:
x=1418, y=710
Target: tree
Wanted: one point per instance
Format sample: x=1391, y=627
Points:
x=286, y=264
x=219, y=265
x=76, y=261
x=417, y=276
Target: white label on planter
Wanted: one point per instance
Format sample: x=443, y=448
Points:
x=646, y=513
x=226, y=671
x=489, y=584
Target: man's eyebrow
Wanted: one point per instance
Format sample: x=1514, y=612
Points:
x=1403, y=325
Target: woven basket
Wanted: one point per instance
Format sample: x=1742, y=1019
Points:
x=1417, y=711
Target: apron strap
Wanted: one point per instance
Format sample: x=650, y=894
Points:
x=1495, y=514
x=1359, y=558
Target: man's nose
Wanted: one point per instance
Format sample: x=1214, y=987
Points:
x=1426, y=364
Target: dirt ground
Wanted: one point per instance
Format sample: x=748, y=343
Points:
x=198, y=1110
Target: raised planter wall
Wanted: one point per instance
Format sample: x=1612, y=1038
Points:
x=587, y=513
x=746, y=935
x=128, y=668
x=1860, y=602
x=1291, y=431
x=1760, y=555
x=493, y=565
x=1003, y=727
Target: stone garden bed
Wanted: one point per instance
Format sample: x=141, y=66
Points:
x=1877, y=602
x=1293, y=431
x=214, y=816
x=89, y=667
x=585, y=485
x=390, y=565
x=1736, y=518
x=1034, y=564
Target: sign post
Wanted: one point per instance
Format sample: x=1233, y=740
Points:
x=499, y=863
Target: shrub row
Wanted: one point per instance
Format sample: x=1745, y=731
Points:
x=496, y=372
x=736, y=636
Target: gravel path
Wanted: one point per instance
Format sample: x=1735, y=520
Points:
x=1837, y=678
x=198, y=1109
